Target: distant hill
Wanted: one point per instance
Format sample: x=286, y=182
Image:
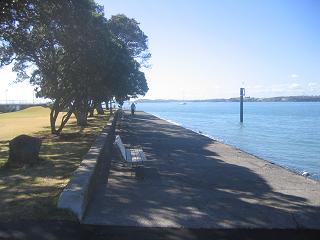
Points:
x=247, y=99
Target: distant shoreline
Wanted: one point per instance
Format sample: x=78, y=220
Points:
x=246, y=99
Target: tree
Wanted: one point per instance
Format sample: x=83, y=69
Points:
x=127, y=31
x=77, y=58
x=16, y=18
x=51, y=42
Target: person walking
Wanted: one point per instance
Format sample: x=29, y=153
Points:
x=133, y=108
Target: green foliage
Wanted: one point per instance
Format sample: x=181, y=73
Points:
x=129, y=33
x=72, y=54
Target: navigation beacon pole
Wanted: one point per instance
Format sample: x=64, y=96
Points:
x=242, y=93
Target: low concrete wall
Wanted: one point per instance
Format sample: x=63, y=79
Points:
x=16, y=107
x=77, y=194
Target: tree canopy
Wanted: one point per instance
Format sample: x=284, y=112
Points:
x=72, y=54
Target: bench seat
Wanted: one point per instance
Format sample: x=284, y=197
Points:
x=133, y=156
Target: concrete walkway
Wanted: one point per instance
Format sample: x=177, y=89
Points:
x=191, y=181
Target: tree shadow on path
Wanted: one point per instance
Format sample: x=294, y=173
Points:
x=196, y=187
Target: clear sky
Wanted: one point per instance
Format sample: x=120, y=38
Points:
x=210, y=48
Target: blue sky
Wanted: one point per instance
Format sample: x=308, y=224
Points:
x=209, y=48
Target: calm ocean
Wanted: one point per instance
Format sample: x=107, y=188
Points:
x=285, y=133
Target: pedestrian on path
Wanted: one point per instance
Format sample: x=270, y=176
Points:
x=133, y=108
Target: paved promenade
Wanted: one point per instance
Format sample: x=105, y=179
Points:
x=191, y=181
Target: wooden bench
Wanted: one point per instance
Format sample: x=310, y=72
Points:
x=133, y=157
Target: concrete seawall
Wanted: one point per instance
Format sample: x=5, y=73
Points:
x=16, y=107
x=78, y=192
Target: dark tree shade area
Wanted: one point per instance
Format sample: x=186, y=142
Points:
x=73, y=55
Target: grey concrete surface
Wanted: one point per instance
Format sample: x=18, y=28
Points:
x=77, y=194
x=191, y=181
x=12, y=107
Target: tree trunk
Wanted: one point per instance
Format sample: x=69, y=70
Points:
x=99, y=108
x=110, y=108
x=64, y=120
x=81, y=112
x=91, y=109
x=81, y=118
x=53, y=118
x=107, y=104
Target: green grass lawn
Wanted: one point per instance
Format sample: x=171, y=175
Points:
x=27, y=121
x=32, y=192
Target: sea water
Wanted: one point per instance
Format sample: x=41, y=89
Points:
x=286, y=133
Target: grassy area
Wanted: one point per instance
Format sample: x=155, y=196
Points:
x=32, y=192
x=27, y=121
